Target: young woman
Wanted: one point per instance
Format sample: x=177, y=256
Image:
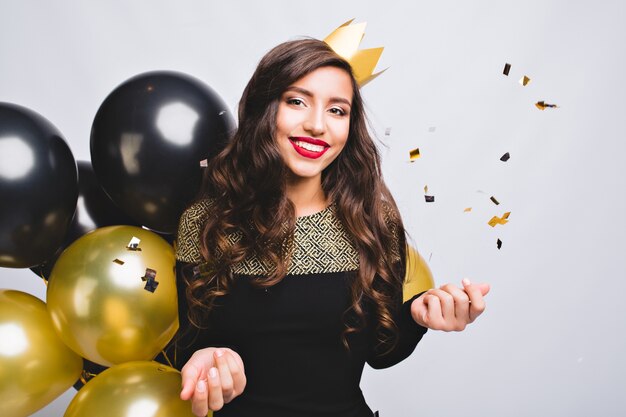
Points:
x=292, y=259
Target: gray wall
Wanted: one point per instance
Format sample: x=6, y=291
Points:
x=551, y=341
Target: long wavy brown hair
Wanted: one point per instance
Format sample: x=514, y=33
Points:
x=247, y=183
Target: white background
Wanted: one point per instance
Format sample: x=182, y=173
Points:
x=551, y=341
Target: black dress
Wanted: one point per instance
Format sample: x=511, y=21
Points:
x=289, y=335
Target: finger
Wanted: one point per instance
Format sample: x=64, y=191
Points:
x=199, y=406
x=238, y=375
x=433, y=316
x=237, y=358
x=447, y=303
x=419, y=310
x=475, y=294
x=461, y=305
x=225, y=375
x=484, y=288
x=216, y=400
x=190, y=375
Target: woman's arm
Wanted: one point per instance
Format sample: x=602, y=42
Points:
x=409, y=335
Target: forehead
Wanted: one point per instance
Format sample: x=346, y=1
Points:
x=326, y=82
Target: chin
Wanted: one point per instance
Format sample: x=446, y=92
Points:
x=304, y=173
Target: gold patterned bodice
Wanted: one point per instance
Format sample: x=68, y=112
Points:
x=321, y=243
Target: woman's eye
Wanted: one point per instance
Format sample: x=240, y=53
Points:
x=337, y=111
x=295, y=101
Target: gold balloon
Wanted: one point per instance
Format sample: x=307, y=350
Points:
x=99, y=299
x=35, y=366
x=418, y=277
x=133, y=389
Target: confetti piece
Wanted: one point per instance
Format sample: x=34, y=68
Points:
x=222, y=112
x=388, y=131
x=118, y=261
x=496, y=202
x=204, y=163
x=542, y=105
x=426, y=189
x=499, y=244
x=431, y=129
x=429, y=198
x=467, y=210
x=149, y=275
x=505, y=157
x=430, y=257
x=151, y=286
x=150, y=279
x=495, y=220
x=414, y=154
x=134, y=244
x=507, y=68
x=524, y=81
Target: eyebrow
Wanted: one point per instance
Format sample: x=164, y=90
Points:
x=310, y=94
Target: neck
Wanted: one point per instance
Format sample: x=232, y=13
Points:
x=306, y=194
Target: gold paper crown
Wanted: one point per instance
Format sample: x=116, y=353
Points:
x=345, y=42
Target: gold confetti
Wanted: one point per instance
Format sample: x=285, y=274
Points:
x=426, y=189
x=118, y=261
x=467, y=210
x=542, y=105
x=495, y=220
x=134, y=244
x=496, y=202
x=524, y=81
x=414, y=154
x=507, y=68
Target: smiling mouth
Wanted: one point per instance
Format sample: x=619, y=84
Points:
x=308, y=149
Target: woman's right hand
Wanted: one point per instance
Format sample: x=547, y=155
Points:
x=211, y=378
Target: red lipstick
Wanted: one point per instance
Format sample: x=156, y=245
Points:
x=306, y=152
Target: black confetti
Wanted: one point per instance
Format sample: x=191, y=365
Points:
x=505, y=157
x=150, y=275
x=150, y=279
x=151, y=285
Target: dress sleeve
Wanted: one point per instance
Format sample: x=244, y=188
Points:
x=189, y=229
x=409, y=335
x=409, y=332
x=188, y=257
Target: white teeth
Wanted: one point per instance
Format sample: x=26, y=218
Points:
x=309, y=146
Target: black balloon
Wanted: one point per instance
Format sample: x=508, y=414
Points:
x=90, y=370
x=148, y=139
x=38, y=187
x=93, y=210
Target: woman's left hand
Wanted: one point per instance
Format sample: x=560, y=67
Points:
x=450, y=308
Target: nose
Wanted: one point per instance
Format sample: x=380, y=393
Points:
x=315, y=122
